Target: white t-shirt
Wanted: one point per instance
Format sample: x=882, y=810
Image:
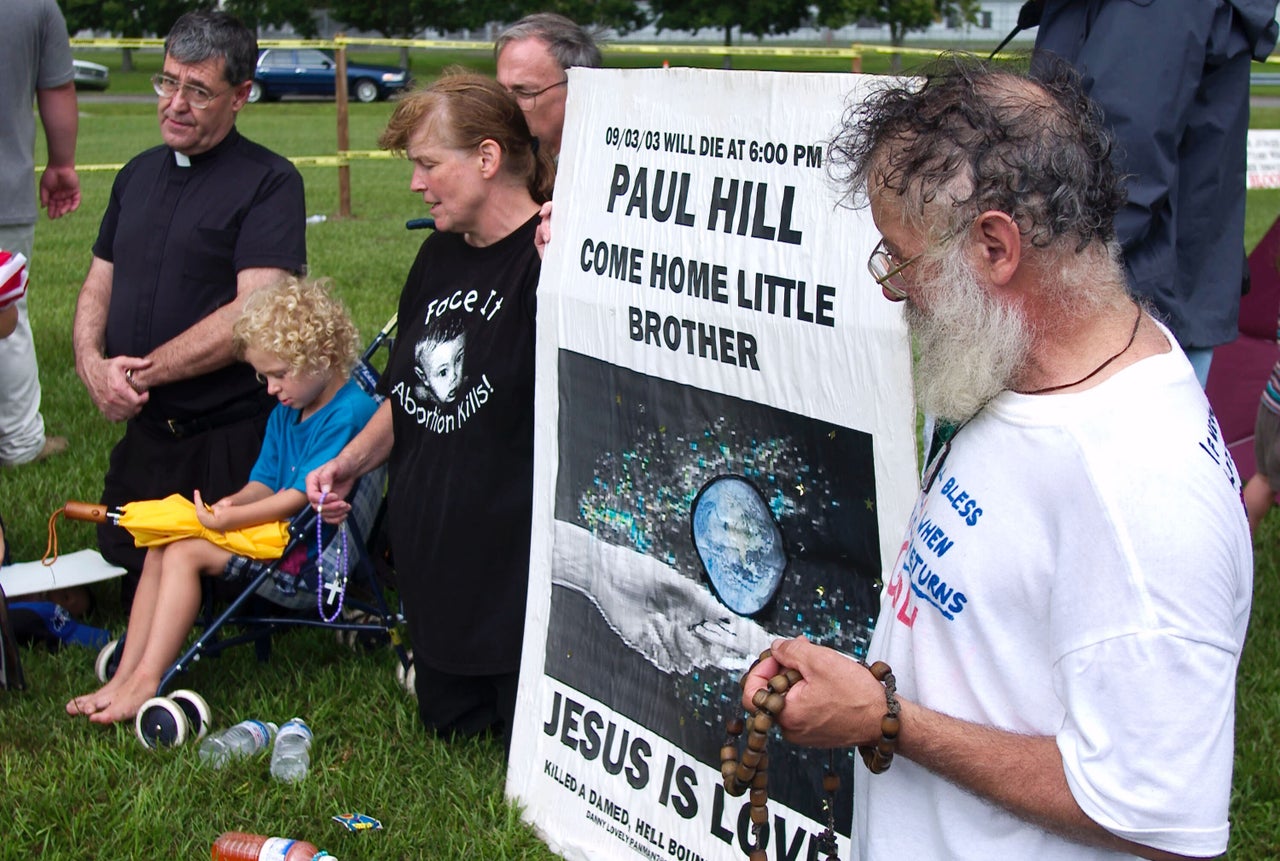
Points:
x=1081, y=568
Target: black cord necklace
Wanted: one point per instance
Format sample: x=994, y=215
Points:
x=946, y=432
x=1089, y=376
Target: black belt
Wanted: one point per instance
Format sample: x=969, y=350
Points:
x=183, y=428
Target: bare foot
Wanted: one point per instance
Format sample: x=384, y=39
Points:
x=88, y=704
x=125, y=701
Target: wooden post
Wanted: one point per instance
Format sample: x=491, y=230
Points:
x=344, y=137
x=857, y=64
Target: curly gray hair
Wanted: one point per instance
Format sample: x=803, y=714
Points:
x=973, y=138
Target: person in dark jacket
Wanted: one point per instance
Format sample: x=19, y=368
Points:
x=1172, y=79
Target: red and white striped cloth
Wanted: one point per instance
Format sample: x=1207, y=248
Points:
x=13, y=277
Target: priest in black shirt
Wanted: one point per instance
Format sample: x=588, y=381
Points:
x=192, y=228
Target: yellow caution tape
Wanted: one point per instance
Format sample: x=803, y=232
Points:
x=339, y=159
x=87, y=168
x=443, y=44
x=318, y=161
x=296, y=43
x=852, y=51
x=117, y=43
x=730, y=50
x=901, y=49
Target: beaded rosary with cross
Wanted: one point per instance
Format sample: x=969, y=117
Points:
x=337, y=587
x=751, y=770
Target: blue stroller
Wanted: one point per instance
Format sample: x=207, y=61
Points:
x=337, y=588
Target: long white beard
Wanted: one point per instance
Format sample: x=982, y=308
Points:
x=969, y=347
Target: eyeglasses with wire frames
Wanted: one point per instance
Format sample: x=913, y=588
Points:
x=528, y=99
x=887, y=271
x=198, y=97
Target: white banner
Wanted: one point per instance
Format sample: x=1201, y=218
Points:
x=1263, y=159
x=725, y=453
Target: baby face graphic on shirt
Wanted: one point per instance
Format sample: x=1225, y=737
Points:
x=438, y=361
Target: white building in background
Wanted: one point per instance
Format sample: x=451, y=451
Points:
x=995, y=19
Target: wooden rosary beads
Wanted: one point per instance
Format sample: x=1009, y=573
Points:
x=751, y=771
x=879, y=756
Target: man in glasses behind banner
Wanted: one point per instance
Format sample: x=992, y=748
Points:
x=1067, y=611
x=191, y=229
x=532, y=56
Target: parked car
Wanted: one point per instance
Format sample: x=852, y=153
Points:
x=310, y=71
x=90, y=76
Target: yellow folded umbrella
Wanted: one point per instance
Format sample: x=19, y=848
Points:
x=156, y=522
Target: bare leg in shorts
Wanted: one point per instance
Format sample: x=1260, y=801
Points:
x=164, y=609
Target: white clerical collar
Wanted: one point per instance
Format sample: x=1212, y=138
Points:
x=182, y=159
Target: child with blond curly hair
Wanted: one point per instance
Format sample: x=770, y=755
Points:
x=302, y=344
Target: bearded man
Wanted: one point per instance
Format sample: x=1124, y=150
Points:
x=1066, y=615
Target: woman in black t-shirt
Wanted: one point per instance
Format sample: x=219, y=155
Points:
x=457, y=426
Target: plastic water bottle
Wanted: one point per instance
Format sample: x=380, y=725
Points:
x=319, y=218
x=291, y=755
x=238, y=846
x=238, y=742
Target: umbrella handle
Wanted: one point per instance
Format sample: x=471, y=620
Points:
x=92, y=512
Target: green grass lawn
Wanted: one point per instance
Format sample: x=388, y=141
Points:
x=80, y=791
x=76, y=791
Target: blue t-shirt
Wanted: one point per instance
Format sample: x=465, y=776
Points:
x=292, y=448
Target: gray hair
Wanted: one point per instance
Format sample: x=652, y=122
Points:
x=205, y=35
x=568, y=43
x=974, y=138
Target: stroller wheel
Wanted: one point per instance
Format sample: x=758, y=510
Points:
x=407, y=678
x=196, y=710
x=107, y=661
x=161, y=723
